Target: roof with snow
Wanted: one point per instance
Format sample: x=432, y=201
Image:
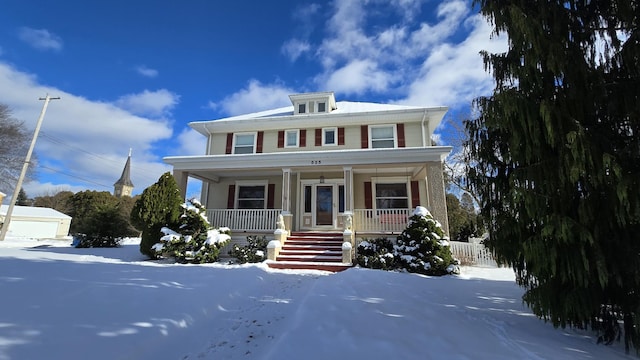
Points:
x=32, y=211
x=342, y=107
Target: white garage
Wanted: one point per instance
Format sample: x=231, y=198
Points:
x=36, y=222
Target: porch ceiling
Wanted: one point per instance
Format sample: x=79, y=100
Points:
x=401, y=161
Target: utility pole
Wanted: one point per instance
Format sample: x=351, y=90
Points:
x=14, y=198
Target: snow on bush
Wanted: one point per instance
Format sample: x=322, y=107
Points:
x=422, y=248
x=255, y=250
x=194, y=241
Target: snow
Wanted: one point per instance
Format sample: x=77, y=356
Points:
x=59, y=302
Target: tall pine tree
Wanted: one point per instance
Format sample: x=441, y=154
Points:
x=158, y=206
x=558, y=152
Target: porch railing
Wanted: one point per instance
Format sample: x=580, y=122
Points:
x=244, y=219
x=380, y=220
x=472, y=253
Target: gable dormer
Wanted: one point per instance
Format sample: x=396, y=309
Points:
x=313, y=103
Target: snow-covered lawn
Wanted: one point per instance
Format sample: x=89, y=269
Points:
x=59, y=302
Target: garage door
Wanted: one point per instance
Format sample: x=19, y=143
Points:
x=33, y=229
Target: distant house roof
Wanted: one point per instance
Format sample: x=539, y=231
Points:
x=35, y=212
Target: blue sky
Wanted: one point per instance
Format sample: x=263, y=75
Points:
x=133, y=74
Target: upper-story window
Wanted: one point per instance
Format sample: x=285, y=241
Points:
x=382, y=136
x=322, y=107
x=292, y=138
x=302, y=108
x=329, y=136
x=244, y=143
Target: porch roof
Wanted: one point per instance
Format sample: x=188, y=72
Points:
x=213, y=167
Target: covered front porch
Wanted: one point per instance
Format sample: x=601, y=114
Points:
x=370, y=191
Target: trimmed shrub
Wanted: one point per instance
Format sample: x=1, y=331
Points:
x=421, y=248
x=255, y=251
x=195, y=241
x=376, y=254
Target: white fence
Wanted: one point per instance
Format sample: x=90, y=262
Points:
x=472, y=253
x=380, y=220
x=244, y=219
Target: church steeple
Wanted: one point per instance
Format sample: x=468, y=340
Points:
x=124, y=186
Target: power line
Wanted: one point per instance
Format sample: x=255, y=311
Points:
x=116, y=165
x=75, y=176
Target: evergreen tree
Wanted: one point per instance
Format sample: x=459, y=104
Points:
x=194, y=240
x=423, y=247
x=22, y=199
x=557, y=148
x=158, y=206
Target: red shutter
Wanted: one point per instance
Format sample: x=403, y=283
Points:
x=318, y=137
x=271, y=190
x=415, y=194
x=368, y=200
x=229, y=143
x=281, y=138
x=364, y=136
x=340, y=136
x=231, y=196
x=303, y=137
x=259, y=142
x=400, y=130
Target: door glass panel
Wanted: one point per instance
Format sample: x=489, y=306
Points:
x=324, y=205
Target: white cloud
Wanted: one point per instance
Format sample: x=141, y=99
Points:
x=149, y=103
x=294, y=48
x=146, y=71
x=424, y=62
x=357, y=77
x=454, y=74
x=191, y=142
x=87, y=139
x=40, y=39
x=255, y=97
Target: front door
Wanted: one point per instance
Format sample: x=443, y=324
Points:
x=324, y=205
x=321, y=205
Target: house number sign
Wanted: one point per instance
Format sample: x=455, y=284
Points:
x=316, y=162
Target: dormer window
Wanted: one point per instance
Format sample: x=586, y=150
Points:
x=310, y=103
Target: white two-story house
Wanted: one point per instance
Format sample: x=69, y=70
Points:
x=318, y=162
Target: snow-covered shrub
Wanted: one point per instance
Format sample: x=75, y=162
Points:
x=194, y=240
x=421, y=248
x=255, y=251
x=376, y=254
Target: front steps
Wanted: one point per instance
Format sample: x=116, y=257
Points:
x=311, y=251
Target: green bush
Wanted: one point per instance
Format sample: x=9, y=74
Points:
x=196, y=242
x=421, y=248
x=255, y=251
x=376, y=254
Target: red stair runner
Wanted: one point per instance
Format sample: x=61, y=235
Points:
x=313, y=251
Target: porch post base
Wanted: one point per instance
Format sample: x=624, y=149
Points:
x=288, y=220
x=347, y=252
x=273, y=249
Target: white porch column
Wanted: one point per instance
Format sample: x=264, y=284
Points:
x=286, y=190
x=348, y=189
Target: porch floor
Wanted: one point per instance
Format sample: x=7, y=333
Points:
x=312, y=251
